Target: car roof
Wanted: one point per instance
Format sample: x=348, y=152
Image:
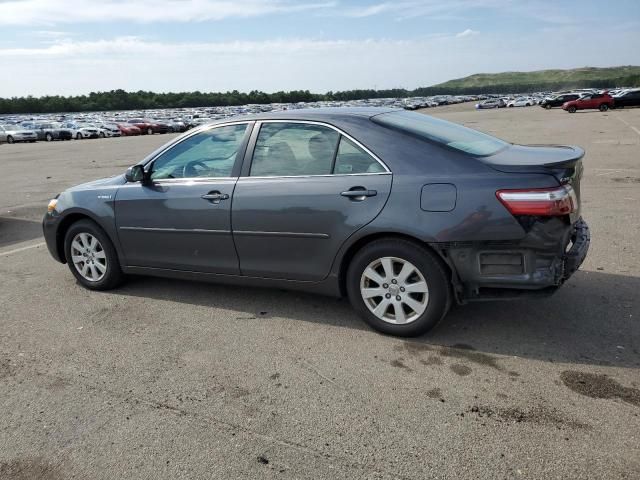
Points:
x=326, y=114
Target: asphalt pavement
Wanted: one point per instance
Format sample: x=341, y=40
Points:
x=182, y=380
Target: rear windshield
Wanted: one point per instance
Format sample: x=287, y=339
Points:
x=440, y=131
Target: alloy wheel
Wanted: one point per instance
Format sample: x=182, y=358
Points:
x=88, y=257
x=394, y=290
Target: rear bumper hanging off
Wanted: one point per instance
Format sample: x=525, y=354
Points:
x=537, y=265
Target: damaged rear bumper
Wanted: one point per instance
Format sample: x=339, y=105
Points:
x=542, y=261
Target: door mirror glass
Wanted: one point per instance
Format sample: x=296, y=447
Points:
x=135, y=174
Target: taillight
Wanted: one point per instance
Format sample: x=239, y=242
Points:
x=544, y=202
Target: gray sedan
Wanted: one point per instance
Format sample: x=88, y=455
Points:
x=12, y=134
x=401, y=212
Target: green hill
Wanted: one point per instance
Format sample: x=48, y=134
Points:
x=539, y=80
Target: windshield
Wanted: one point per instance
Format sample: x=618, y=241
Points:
x=442, y=132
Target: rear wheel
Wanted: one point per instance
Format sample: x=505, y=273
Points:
x=398, y=287
x=604, y=107
x=547, y=106
x=10, y=139
x=48, y=137
x=571, y=109
x=78, y=136
x=102, y=135
x=150, y=131
x=91, y=256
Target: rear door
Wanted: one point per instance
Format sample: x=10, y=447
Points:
x=180, y=218
x=306, y=187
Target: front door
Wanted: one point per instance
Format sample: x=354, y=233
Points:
x=308, y=189
x=180, y=217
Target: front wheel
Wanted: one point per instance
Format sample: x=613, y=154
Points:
x=78, y=136
x=48, y=137
x=149, y=131
x=91, y=256
x=398, y=287
x=10, y=139
x=102, y=135
x=547, y=106
x=604, y=107
x=571, y=109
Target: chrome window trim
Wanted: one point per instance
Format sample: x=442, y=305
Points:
x=313, y=176
x=191, y=180
x=332, y=127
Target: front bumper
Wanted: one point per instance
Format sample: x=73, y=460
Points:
x=50, y=230
x=549, y=254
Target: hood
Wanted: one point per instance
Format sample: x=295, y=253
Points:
x=103, y=182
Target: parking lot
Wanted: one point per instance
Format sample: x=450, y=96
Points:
x=173, y=379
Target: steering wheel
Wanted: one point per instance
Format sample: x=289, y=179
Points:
x=189, y=170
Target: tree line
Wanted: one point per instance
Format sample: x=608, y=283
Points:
x=123, y=100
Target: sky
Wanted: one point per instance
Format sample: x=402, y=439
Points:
x=75, y=47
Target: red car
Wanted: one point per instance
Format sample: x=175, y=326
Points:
x=149, y=127
x=601, y=101
x=127, y=130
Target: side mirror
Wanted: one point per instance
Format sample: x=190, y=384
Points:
x=134, y=174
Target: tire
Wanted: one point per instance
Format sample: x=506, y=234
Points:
x=571, y=109
x=547, y=106
x=604, y=107
x=102, y=135
x=10, y=139
x=78, y=136
x=32, y=141
x=48, y=137
x=149, y=131
x=106, y=277
x=426, y=268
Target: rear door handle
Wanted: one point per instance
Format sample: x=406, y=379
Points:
x=359, y=193
x=215, y=197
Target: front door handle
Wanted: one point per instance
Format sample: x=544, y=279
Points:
x=215, y=197
x=359, y=193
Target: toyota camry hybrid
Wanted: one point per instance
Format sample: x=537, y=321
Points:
x=401, y=212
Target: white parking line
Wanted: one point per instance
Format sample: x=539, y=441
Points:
x=628, y=125
x=22, y=249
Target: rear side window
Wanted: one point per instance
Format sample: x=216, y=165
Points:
x=353, y=159
x=292, y=149
x=442, y=132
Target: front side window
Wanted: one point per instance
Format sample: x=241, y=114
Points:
x=442, y=132
x=211, y=153
x=291, y=149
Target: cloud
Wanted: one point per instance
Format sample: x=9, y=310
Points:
x=53, y=12
x=132, y=46
x=467, y=33
x=69, y=66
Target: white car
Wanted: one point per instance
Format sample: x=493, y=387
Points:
x=15, y=133
x=107, y=130
x=80, y=131
x=521, y=102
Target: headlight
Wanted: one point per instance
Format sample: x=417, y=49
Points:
x=52, y=205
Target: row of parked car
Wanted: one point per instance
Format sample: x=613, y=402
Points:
x=571, y=101
x=32, y=131
x=31, y=128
